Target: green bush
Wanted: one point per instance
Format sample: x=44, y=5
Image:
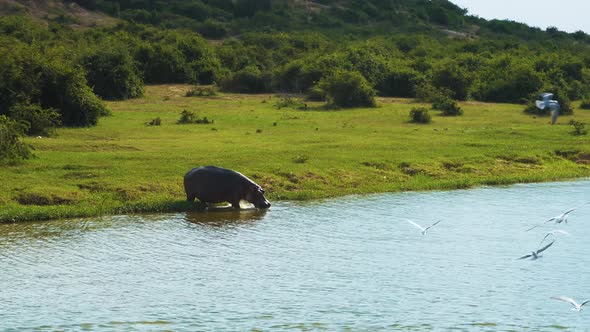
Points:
x=419, y=115
x=399, y=82
x=162, y=63
x=454, y=77
x=111, y=73
x=29, y=76
x=448, y=106
x=189, y=117
x=40, y=121
x=506, y=80
x=213, y=29
x=426, y=92
x=247, y=80
x=579, y=127
x=11, y=147
x=348, y=89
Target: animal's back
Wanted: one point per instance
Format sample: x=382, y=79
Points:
x=211, y=184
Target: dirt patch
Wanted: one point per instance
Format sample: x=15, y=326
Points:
x=378, y=165
x=68, y=12
x=583, y=158
x=133, y=193
x=407, y=169
x=44, y=199
x=528, y=160
x=93, y=186
x=567, y=154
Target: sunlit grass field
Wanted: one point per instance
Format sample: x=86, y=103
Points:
x=126, y=166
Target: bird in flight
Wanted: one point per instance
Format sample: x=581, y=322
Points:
x=576, y=306
x=562, y=218
x=535, y=254
x=422, y=229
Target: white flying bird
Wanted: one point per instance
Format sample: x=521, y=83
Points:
x=422, y=229
x=577, y=307
x=553, y=105
x=535, y=254
x=558, y=220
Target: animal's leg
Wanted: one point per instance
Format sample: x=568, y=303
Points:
x=235, y=204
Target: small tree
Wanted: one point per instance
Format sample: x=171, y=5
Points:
x=11, y=147
x=348, y=89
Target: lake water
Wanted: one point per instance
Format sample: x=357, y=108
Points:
x=349, y=264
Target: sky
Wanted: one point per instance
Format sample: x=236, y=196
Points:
x=566, y=15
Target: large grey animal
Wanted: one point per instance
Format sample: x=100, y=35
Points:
x=212, y=184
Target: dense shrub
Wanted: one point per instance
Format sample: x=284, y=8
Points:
x=11, y=147
x=64, y=88
x=420, y=115
x=425, y=92
x=32, y=77
x=201, y=62
x=505, y=80
x=399, y=82
x=189, y=117
x=453, y=77
x=213, y=29
x=368, y=61
x=111, y=73
x=247, y=80
x=448, y=106
x=39, y=121
x=161, y=63
x=348, y=89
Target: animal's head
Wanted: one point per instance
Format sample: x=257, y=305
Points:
x=255, y=195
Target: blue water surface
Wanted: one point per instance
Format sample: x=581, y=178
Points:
x=348, y=264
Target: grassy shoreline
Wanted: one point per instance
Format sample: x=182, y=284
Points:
x=125, y=166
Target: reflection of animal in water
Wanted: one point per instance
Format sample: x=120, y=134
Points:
x=535, y=254
x=547, y=102
x=422, y=229
x=576, y=306
x=554, y=233
x=212, y=184
x=222, y=218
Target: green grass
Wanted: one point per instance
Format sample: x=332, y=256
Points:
x=125, y=166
